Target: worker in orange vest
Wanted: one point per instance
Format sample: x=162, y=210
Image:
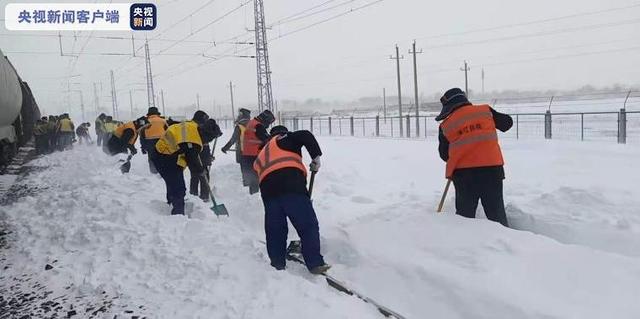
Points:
x=469, y=145
x=253, y=139
x=151, y=133
x=124, y=137
x=283, y=186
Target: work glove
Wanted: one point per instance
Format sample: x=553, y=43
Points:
x=208, y=161
x=315, y=164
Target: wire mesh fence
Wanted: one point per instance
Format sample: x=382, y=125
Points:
x=619, y=126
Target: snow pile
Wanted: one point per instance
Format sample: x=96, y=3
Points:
x=576, y=258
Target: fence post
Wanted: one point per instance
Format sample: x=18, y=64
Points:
x=425, y=127
x=351, y=125
x=330, y=129
x=408, y=126
x=364, y=132
x=547, y=125
x=377, y=125
x=311, y=124
x=622, y=127
x=582, y=126
x=340, y=125
x=392, y=127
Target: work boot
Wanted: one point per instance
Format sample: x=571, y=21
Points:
x=320, y=270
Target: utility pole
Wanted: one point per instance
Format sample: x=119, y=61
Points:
x=198, y=101
x=162, y=96
x=82, y=105
x=384, y=103
x=131, y=103
x=150, y=95
x=415, y=86
x=265, y=97
x=482, y=81
x=114, y=98
x=397, y=58
x=233, y=110
x=95, y=98
x=466, y=77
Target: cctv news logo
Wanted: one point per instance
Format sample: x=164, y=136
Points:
x=81, y=16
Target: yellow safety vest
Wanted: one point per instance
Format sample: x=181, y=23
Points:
x=66, y=125
x=155, y=128
x=176, y=134
x=109, y=127
x=241, y=141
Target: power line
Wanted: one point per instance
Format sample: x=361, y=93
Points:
x=226, y=14
x=326, y=20
x=301, y=12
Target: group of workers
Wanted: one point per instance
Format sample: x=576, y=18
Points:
x=271, y=162
x=58, y=133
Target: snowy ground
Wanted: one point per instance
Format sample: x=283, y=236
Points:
x=576, y=253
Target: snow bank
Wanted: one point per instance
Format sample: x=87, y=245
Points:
x=576, y=256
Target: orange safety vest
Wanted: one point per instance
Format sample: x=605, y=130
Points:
x=473, y=141
x=273, y=158
x=156, y=127
x=120, y=131
x=250, y=142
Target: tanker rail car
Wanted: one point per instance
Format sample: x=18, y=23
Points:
x=18, y=111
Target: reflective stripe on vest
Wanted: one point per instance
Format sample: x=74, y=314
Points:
x=120, y=131
x=473, y=141
x=273, y=158
x=156, y=127
x=185, y=132
x=251, y=143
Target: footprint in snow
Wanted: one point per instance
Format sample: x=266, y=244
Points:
x=362, y=200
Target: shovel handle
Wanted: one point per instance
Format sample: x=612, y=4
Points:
x=444, y=196
x=313, y=178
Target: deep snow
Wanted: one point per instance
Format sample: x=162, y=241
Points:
x=575, y=256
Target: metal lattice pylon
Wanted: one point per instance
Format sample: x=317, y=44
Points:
x=265, y=97
x=150, y=94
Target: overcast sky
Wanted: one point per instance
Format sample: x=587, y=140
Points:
x=521, y=45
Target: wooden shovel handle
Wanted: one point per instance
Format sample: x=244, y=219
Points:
x=444, y=196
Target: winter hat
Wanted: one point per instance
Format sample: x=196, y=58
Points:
x=244, y=112
x=209, y=130
x=279, y=130
x=140, y=122
x=451, y=100
x=153, y=111
x=266, y=117
x=200, y=117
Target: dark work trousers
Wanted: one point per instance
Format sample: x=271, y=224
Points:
x=199, y=181
x=173, y=176
x=150, y=147
x=42, y=144
x=478, y=184
x=99, y=136
x=300, y=211
x=248, y=174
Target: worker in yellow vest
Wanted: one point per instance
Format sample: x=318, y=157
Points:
x=236, y=139
x=124, y=137
x=180, y=147
x=66, y=132
x=151, y=133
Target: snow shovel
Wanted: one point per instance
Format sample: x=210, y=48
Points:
x=444, y=196
x=124, y=168
x=217, y=209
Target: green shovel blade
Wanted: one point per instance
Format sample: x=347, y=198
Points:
x=219, y=210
